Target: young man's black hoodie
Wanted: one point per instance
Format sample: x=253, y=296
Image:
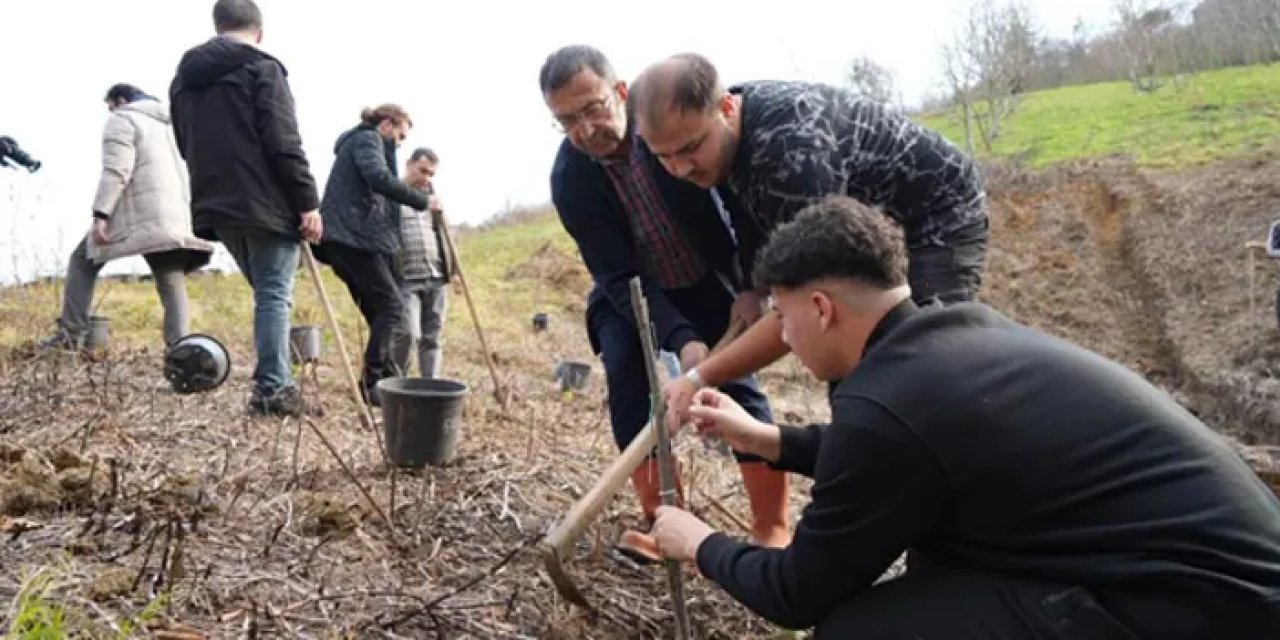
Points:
x=233, y=115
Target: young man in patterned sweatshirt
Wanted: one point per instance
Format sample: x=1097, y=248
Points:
x=629, y=218
x=780, y=146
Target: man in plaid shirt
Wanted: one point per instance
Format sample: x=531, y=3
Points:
x=427, y=266
x=629, y=217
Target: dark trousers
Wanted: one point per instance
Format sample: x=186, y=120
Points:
x=374, y=282
x=614, y=338
x=950, y=272
x=949, y=604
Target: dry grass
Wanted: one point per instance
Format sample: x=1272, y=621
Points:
x=127, y=504
x=218, y=524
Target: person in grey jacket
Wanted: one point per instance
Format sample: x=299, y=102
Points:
x=360, y=212
x=427, y=267
x=142, y=207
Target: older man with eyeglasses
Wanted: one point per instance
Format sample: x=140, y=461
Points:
x=629, y=217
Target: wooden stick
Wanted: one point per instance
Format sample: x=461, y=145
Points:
x=391, y=530
x=366, y=414
x=557, y=545
x=666, y=461
x=438, y=219
x=724, y=511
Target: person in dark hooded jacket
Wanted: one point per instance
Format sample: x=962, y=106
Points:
x=251, y=184
x=361, y=212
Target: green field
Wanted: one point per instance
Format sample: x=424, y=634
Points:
x=1188, y=121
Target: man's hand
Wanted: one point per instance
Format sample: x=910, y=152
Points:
x=678, y=394
x=716, y=415
x=747, y=308
x=434, y=204
x=692, y=354
x=312, y=227
x=100, y=232
x=679, y=533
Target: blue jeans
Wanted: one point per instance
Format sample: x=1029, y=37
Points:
x=269, y=262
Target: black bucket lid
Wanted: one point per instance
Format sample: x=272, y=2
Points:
x=196, y=363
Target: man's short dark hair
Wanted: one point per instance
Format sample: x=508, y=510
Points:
x=685, y=82
x=123, y=91
x=236, y=15
x=566, y=62
x=424, y=152
x=838, y=237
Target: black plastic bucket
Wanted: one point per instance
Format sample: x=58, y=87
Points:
x=196, y=363
x=540, y=322
x=422, y=419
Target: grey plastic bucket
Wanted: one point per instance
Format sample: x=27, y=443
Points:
x=305, y=342
x=99, y=332
x=422, y=419
x=573, y=374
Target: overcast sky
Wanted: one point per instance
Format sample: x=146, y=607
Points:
x=466, y=71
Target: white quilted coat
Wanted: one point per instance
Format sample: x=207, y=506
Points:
x=144, y=186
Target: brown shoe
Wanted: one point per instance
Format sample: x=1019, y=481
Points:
x=646, y=480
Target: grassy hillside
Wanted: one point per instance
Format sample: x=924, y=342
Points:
x=1193, y=120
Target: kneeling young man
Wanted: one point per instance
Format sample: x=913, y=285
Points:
x=1043, y=490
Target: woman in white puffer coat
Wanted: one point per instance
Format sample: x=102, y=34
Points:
x=142, y=207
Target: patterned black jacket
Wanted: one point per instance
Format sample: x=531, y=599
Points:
x=803, y=141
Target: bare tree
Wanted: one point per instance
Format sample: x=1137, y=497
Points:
x=871, y=80
x=1141, y=23
x=1240, y=31
x=988, y=62
x=960, y=77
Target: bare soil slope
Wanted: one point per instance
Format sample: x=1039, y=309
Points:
x=1151, y=268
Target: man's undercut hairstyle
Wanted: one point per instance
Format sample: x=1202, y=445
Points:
x=236, y=15
x=684, y=83
x=123, y=91
x=838, y=237
x=424, y=152
x=566, y=62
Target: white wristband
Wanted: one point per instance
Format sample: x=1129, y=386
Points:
x=696, y=378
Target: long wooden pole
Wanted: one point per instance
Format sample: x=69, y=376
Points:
x=366, y=414
x=666, y=461
x=498, y=391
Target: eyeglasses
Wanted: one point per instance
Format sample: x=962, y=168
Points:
x=594, y=111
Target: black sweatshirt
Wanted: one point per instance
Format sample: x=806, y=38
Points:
x=235, y=123
x=989, y=446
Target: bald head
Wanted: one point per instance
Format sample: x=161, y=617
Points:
x=685, y=83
